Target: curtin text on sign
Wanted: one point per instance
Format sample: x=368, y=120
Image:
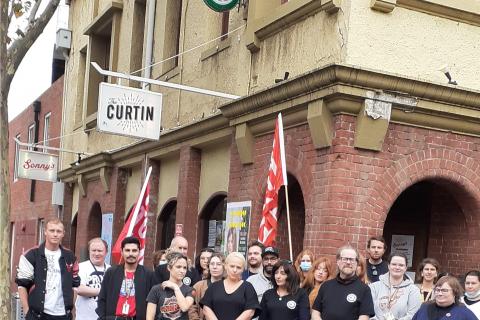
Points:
x=129, y=111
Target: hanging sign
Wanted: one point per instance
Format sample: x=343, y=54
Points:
x=221, y=5
x=37, y=165
x=129, y=111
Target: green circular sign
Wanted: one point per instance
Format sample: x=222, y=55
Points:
x=221, y=5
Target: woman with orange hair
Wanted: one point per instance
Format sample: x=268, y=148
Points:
x=303, y=264
x=321, y=271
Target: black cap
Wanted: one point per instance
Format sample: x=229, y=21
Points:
x=270, y=250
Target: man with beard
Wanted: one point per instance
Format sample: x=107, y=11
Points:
x=125, y=287
x=91, y=274
x=375, y=264
x=263, y=281
x=254, y=259
x=179, y=244
x=345, y=297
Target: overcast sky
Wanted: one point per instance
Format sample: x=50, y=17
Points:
x=34, y=74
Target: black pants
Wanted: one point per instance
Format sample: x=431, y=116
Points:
x=33, y=315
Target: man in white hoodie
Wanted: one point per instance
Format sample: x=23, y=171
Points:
x=395, y=297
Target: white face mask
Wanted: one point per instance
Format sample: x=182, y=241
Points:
x=472, y=295
x=161, y=262
x=305, y=265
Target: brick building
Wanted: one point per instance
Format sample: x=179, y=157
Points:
x=31, y=201
x=377, y=142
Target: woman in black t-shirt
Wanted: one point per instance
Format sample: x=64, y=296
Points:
x=231, y=298
x=286, y=301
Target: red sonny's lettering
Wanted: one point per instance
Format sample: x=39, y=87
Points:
x=29, y=164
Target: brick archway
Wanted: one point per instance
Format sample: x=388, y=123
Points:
x=299, y=165
x=457, y=235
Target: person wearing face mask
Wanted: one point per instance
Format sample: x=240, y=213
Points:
x=303, y=263
x=263, y=281
x=201, y=262
x=471, y=297
x=159, y=258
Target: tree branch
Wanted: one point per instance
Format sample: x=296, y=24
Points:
x=20, y=46
x=10, y=14
x=33, y=13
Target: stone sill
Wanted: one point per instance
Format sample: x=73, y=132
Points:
x=283, y=16
x=103, y=18
x=170, y=74
x=90, y=121
x=219, y=47
x=467, y=11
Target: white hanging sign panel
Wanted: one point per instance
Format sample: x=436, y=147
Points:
x=37, y=165
x=129, y=111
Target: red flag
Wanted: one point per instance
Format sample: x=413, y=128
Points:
x=137, y=228
x=277, y=176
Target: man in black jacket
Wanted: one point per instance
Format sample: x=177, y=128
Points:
x=46, y=276
x=124, y=291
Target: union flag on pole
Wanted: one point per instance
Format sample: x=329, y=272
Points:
x=136, y=224
x=277, y=176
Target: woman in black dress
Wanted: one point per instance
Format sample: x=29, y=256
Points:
x=232, y=298
x=286, y=301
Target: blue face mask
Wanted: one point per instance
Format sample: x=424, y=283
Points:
x=305, y=266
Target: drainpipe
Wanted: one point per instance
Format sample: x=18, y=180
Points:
x=37, y=106
x=149, y=45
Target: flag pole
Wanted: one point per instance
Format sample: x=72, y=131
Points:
x=139, y=202
x=285, y=180
x=288, y=224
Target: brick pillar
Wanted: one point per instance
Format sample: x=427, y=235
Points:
x=187, y=199
x=67, y=214
x=119, y=184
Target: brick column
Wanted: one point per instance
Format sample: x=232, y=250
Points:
x=67, y=214
x=187, y=199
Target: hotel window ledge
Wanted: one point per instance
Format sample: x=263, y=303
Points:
x=219, y=47
x=90, y=122
x=268, y=17
x=467, y=11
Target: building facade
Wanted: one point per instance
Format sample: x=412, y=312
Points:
x=377, y=141
x=31, y=200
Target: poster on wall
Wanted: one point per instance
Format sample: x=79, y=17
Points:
x=237, y=221
x=107, y=227
x=403, y=244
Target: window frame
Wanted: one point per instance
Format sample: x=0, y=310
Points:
x=46, y=130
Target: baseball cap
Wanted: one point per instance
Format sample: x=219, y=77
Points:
x=270, y=250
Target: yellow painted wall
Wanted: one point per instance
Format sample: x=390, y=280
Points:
x=134, y=184
x=168, y=182
x=413, y=44
x=214, y=172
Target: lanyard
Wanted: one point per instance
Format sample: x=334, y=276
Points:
x=96, y=271
x=128, y=288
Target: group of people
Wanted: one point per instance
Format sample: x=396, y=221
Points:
x=53, y=286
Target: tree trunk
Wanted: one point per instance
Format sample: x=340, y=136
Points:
x=5, y=80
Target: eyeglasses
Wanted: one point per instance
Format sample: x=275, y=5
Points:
x=346, y=259
x=442, y=290
x=272, y=259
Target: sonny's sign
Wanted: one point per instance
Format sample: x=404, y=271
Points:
x=37, y=165
x=129, y=111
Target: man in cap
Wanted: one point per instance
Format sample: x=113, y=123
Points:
x=263, y=281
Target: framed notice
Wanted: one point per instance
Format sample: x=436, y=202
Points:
x=403, y=244
x=107, y=227
x=236, y=227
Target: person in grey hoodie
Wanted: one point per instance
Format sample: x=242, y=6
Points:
x=395, y=297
